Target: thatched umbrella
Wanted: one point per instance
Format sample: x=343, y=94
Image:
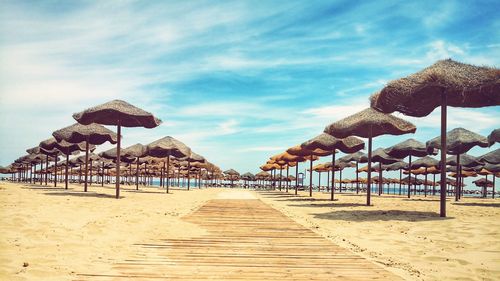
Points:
x=408, y=148
x=135, y=152
x=309, y=155
x=330, y=143
x=425, y=162
x=67, y=149
x=494, y=137
x=369, y=123
x=400, y=165
x=289, y=158
x=445, y=83
x=381, y=157
x=492, y=157
x=354, y=157
x=117, y=113
x=193, y=157
x=92, y=134
x=458, y=141
x=168, y=147
x=248, y=177
x=232, y=175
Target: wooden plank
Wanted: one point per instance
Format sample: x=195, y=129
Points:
x=245, y=240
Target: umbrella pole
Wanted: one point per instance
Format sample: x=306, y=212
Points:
x=311, y=177
x=425, y=183
x=409, y=176
x=102, y=171
x=332, y=194
x=442, y=211
x=380, y=183
x=66, y=172
x=118, y=143
x=296, y=177
x=368, y=189
x=493, y=195
x=287, y=175
x=328, y=181
x=357, y=178
x=137, y=175
x=46, y=168
x=281, y=176
x=86, y=164
x=55, y=170
x=91, y=172
x=400, y=179
x=433, y=184
x=188, y=170
x=41, y=175
x=168, y=172
x=319, y=181
x=457, y=187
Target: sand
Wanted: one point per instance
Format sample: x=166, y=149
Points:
x=52, y=234
x=57, y=233
x=407, y=236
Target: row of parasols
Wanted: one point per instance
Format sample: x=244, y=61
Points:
x=168, y=157
x=445, y=83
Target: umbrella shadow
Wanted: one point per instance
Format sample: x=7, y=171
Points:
x=307, y=199
x=44, y=188
x=331, y=205
x=82, y=194
x=423, y=200
x=380, y=215
x=494, y=205
x=144, y=191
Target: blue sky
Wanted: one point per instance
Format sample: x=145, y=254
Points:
x=238, y=81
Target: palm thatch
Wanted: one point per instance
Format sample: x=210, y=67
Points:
x=494, y=137
x=248, y=176
x=369, y=123
x=193, y=157
x=231, y=172
x=269, y=167
x=299, y=151
x=426, y=161
x=395, y=166
x=482, y=182
x=494, y=168
x=380, y=156
x=134, y=151
x=288, y=158
x=492, y=157
x=330, y=143
x=93, y=133
x=168, y=146
x=420, y=93
x=117, y=111
x=458, y=141
x=466, y=160
x=353, y=157
x=406, y=148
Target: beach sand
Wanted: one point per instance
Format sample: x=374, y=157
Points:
x=58, y=233
x=406, y=235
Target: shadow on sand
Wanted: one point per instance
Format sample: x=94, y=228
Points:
x=82, y=194
x=494, y=205
x=380, y=215
x=330, y=205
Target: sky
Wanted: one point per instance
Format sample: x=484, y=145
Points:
x=237, y=81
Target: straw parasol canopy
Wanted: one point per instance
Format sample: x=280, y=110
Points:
x=494, y=137
x=492, y=157
x=458, y=141
x=308, y=154
x=248, y=176
x=420, y=93
x=168, y=146
x=482, y=182
x=466, y=160
x=119, y=113
x=369, y=123
x=445, y=83
x=330, y=143
x=395, y=166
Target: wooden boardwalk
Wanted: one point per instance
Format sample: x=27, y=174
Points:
x=246, y=240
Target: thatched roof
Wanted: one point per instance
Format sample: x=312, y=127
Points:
x=269, y=167
x=420, y=93
x=92, y=157
x=492, y=157
x=299, y=151
x=365, y=169
x=231, y=172
x=262, y=175
x=193, y=157
x=458, y=141
x=287, y=157
x=136, y=150
x=395, y=166
x=93, y=133
x=369, y=123
x=494, y=168
x=406, y=148
x=482, y=182
x=353, y=157
x=330, y=143
x=379, y=156
x=248, y=176
x=426, y=161
x=168, y=146
x=466, y=160
x=413, y=180
x=109, y=113
x=494, y=137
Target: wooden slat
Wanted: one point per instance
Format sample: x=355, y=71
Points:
x=245, y=240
